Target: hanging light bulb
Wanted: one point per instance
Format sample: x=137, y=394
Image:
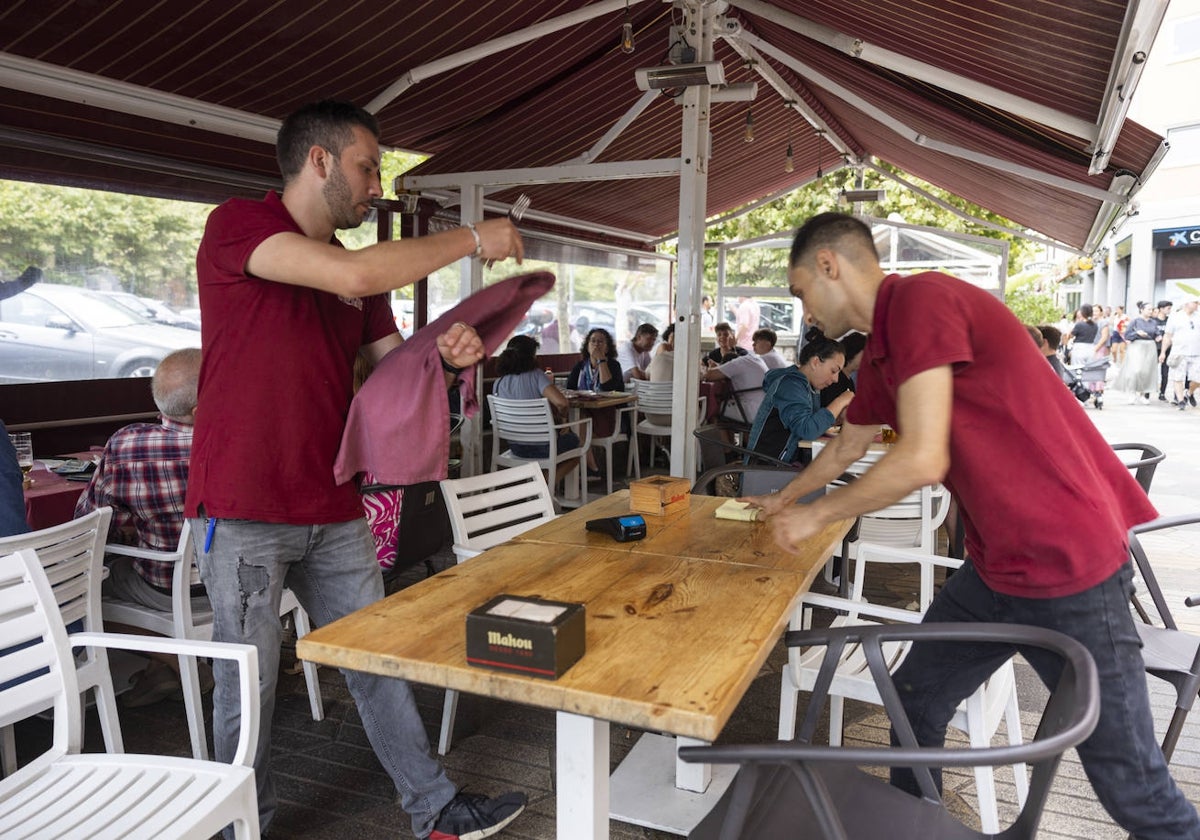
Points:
x=627, y=32
x=789, y=165
x=749, y=135
x=819, y=134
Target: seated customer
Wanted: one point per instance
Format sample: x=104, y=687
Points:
x=764, y=347
x=142, y=476
x=12, y=492
x=853, y=344
x=634, y=355
x=791, y=408
x=727, y=348
x=598, y=370
x=522, y=379
x=745, y=376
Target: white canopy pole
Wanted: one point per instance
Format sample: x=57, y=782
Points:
x=695, y=146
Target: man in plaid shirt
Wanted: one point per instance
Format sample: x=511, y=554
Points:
x=142, y=476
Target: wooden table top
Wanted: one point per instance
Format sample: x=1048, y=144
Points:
x=672, y=643
x=694, y=533
x=601, y=399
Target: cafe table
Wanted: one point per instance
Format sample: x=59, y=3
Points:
x=673, y=642
x=51, y=499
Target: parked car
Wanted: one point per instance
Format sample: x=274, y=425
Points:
x=50, y=333
x=154, y=310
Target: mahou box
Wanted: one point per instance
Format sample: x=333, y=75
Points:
x=526, y=636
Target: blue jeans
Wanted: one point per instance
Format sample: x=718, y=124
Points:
x=332, y=570
x=1122, y=759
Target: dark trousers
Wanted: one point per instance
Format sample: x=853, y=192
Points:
x=1122, y=759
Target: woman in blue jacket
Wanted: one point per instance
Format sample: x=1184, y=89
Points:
x=791, y=408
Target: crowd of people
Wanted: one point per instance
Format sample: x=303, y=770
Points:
x=1153, y=349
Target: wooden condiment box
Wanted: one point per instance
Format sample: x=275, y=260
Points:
x=659, y=495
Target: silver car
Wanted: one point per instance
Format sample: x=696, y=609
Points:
x=50, y=333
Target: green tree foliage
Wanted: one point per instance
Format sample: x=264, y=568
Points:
x=1031, y=304
x=148, y=245
x=789, y=211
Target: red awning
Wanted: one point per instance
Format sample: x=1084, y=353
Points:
x=547, y=101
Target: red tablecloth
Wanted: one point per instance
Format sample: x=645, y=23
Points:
x=51, y=500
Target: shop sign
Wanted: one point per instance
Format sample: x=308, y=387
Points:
x=1187, y=237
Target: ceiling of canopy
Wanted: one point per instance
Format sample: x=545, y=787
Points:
x=1006, y=104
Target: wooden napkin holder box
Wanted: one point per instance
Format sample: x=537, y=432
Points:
x=530, y=636
x=659, y=495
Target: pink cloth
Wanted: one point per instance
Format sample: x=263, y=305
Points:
x=398, y=427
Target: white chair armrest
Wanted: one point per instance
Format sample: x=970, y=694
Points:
x=864, y=609
x=585, y=425
x=141, y=553
x=246, y=657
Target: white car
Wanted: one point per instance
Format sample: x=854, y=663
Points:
x=50, y=333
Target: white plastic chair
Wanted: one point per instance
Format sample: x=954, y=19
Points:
x=979, y=715
x=532, y=421
x=656, y=398
x=72, y=553
x=63, y=793
x=183, y=623
x=616, y=437
x=486, y=510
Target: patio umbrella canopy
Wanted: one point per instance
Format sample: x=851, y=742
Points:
x=1009, y=105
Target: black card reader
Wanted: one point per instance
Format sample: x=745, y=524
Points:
x=621, y=528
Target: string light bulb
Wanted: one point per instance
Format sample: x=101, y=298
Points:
x=749, y=134
x=627, y=32
x=789, y=165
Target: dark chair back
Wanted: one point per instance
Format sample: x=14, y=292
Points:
x=1169, y=653
x=1147, y=462
x=786, y=784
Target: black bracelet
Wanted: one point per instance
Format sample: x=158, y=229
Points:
x=449, y=368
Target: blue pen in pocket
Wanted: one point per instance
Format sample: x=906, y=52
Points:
x=208, y=535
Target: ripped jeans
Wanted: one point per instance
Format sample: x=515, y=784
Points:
x=333, y=572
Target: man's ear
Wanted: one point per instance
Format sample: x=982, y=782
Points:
x=826, y=262
x=320, y=159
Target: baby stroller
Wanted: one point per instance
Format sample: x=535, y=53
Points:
x=1079, y=378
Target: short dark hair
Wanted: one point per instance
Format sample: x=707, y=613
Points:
x=820, y=348
x=519, y=356
x=723, y=326
x=1053, y=335
x=646, y=329
x=765, y=335
x=829, y=230
x=1036, y=334
x=853, y=343
x=1163, y=303
x=328, y=124
x=668, y=333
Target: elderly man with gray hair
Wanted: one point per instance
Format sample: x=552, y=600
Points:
x=142, y=476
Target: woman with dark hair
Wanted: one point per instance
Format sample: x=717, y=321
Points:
x=521, y=378
x=1086, y=337
x=598, y=370
x=791, y=408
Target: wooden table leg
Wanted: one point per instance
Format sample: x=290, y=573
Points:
x=582, y=777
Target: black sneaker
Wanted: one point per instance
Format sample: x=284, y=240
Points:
x=1162, y=397
x=473, y=816
x=1191, y=398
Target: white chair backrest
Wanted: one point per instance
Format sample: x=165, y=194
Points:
x=653, y=397
x=35, y=638
x=73, y=556
x=488, y=509
x=521, y=421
